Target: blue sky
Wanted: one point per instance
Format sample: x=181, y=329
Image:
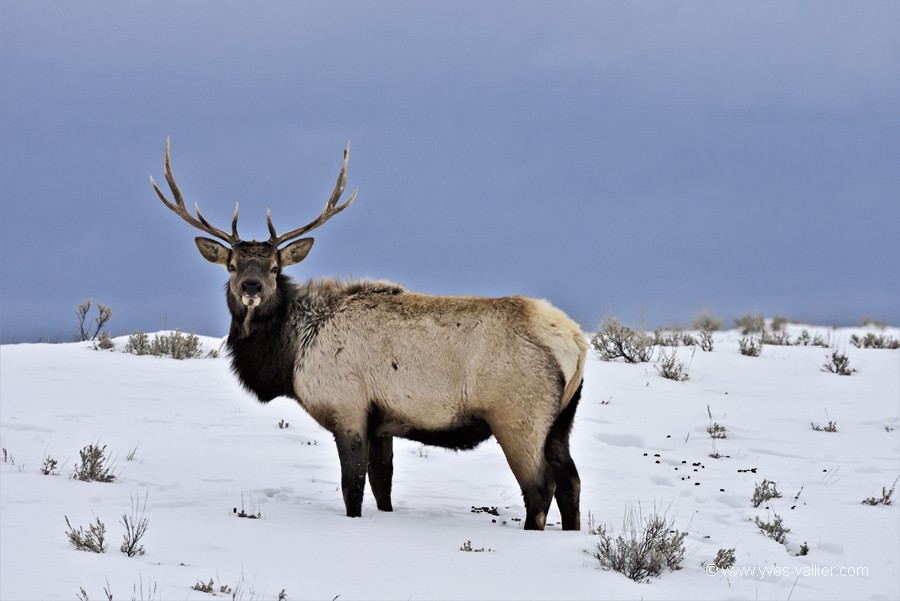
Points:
x=608, y=156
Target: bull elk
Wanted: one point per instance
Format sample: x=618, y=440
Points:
x=369, y=360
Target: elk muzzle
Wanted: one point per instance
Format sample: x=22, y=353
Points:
x=250, y=293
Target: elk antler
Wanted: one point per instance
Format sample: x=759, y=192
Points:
x=179, y=209
x=331, y=208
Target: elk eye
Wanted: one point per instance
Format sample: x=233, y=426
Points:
x=231, y=267
x=274, y=269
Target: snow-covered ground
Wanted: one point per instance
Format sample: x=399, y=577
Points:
x=204, y=448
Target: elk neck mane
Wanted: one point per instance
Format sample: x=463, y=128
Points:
x=268, y=343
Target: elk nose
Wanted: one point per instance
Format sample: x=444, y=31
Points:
x=251, y=287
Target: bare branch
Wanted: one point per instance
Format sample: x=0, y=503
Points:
x=104, y=314
x=81, y=312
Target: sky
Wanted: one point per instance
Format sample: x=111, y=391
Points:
x=632, y=159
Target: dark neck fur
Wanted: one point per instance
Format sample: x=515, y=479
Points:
x=262, y=348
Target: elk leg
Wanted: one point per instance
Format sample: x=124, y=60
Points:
x=568, y=484
x=538, y=496
x=524, y=453
x=381, y=470
x=353, y=454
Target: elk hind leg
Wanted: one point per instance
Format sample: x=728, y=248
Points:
x=556, y=451
x=381, y=470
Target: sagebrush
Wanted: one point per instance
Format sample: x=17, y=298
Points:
x=763, y=492
x=645, y=547
x=749, y=347
x=674, y=339
x=871, y=340
x=724, y=559
x=804, y=339
x=614, y=340
x=705, y=340
x=839, y=364
x=671, y=368
x=210, y=587
x=750, y=324
x=94, y=466
x=49, y=466
x=886, y=498
x=831, y=427
x=776, y=338
x=467, y=547
x=176, y=345
x=136, y=525
x=104, y=342
x=708, y=322
x=774, y=529
x=93, y=540
x=716, y=430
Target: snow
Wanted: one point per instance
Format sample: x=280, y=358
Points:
x=205, y=447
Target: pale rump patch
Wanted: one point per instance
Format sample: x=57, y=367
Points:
x=564, y=339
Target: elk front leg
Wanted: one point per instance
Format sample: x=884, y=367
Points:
x=353, y=452
x=381, y=470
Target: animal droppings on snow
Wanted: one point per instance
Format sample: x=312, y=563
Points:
x=206, y=444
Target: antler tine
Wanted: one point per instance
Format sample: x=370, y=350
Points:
x=234, y=233
x=272, y=235
x=331, y=207
x=180, y=209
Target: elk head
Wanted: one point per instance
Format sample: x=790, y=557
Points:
x=253, y=266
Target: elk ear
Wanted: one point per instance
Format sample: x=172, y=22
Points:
x=212, y=251
x=294, y=252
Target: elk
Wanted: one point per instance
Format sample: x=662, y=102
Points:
x=369, y=360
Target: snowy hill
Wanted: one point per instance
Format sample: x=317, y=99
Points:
x=202, y=448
